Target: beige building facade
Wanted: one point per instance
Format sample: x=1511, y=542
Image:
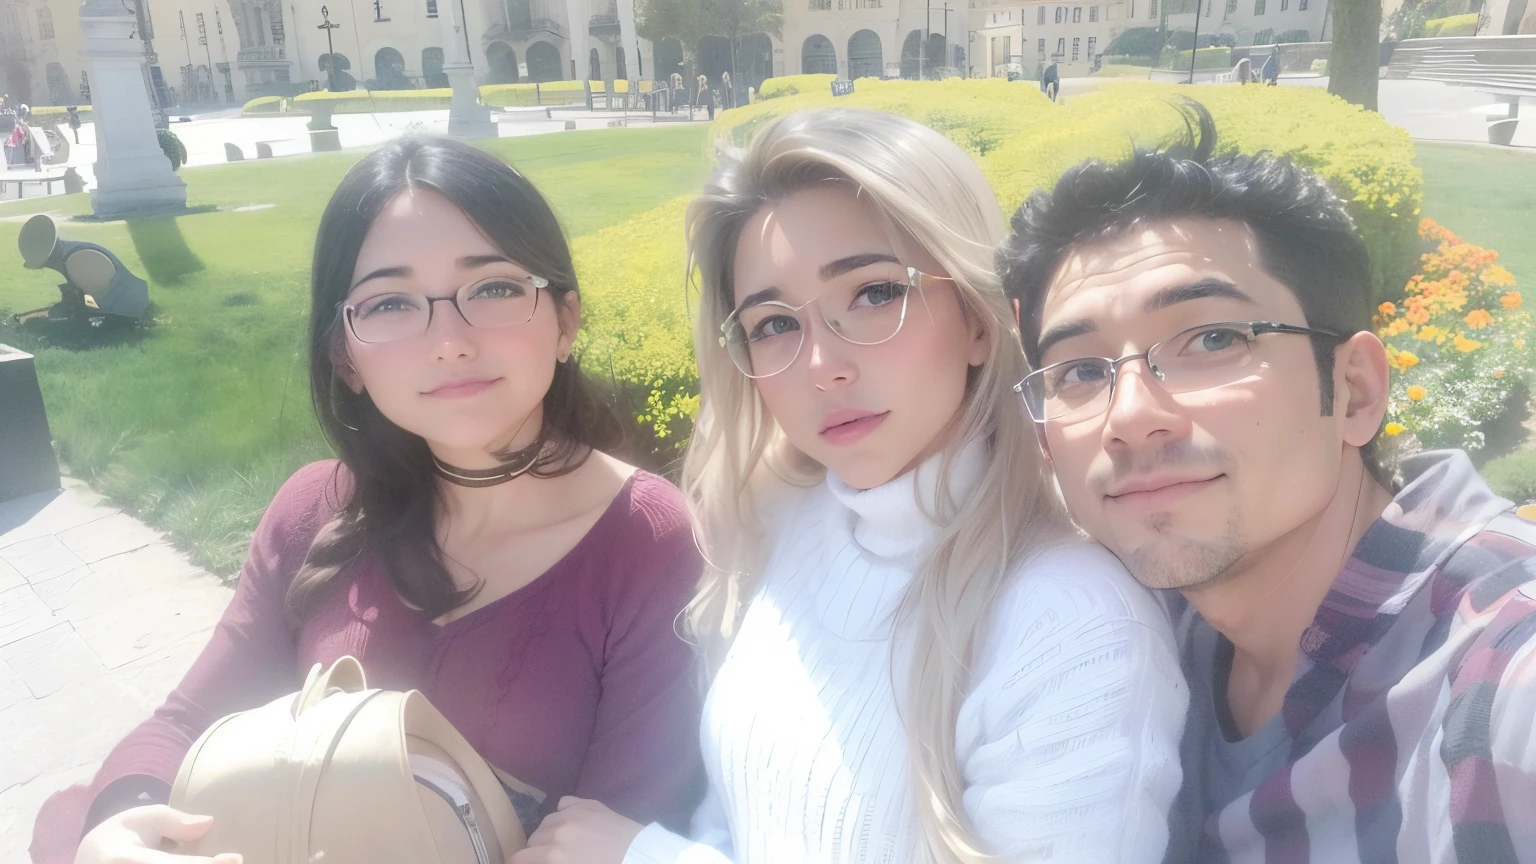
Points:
x=1026, y=37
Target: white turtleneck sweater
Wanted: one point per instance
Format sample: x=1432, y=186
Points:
x=1068, y=740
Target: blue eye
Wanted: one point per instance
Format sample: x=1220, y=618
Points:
x=773, y=325
x=881, y=293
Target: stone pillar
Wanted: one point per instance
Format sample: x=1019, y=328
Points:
x=132, y=172
x=467, y=118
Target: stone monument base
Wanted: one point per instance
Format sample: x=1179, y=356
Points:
x=324, y=140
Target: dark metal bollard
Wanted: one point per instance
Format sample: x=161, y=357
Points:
x=27, y=463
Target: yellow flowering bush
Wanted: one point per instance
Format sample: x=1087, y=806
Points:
x=1457, y=342
x=637, y=328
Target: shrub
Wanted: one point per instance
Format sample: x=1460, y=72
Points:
x=172, y=147
x=1452, y=25
x=1320, y=67
x=635, y=327
x=1138, y=42
x=789, y=85
x=56, y=114
x=1293, y=36
x=1457, y=342
x=369, y=101
x=632, y=274
x=1513, y=476
x=1367, y=161
x=262, y=105
x=506, y=95
x=1207, y=58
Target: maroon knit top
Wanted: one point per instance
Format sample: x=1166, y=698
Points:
x=576, y=684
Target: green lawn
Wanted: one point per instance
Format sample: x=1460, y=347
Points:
x=195, y=421
x=1488, y=197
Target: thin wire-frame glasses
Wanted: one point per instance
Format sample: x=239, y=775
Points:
x=492, y=303
x=1197, y=358
x=765, y=338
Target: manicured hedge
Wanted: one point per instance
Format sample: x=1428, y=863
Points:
x=789, y=85
x=632, y=274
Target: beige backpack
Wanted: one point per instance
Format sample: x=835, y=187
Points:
x=337, y=774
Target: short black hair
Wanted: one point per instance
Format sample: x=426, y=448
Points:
x=1306, y=238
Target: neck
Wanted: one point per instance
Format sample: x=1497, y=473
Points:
x=515, y=502
x=1267, y=600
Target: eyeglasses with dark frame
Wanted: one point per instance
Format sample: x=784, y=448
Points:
x=1196, y=358
x=492, y=303
x=761, y=342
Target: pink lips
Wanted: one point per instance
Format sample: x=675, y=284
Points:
x=1153, y=493
x=461, y=388
x=847, y=425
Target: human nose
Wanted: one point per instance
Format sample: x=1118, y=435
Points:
x=448, y=331
x=830, y=363
x=1140, y=412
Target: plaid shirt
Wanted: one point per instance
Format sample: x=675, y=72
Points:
x=1409, y=733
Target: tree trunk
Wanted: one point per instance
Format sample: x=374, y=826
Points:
x=1356, y=54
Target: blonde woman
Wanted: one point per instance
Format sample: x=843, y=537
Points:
x=915, y=657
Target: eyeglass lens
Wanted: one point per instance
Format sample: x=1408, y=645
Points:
x=765, y=338
x=491, y=303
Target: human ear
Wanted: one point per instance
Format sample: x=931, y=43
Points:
x=569, y=316
x=341, y=364
x=1363, y=382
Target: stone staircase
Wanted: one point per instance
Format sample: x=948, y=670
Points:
x=1502, y=66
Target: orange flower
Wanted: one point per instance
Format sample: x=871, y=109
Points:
x=1418, y=317
x=1415, y=392
x=1499, y=277
x=1405, y=360
x=1511, y=300
x=1387, y=309
x=1477, y=319
x=1395, y=429
x=1498, y=373
x=1465, y=345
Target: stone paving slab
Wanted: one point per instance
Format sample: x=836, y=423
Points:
x=99, y=619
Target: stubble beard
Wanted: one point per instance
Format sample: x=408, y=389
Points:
x=1170, y=561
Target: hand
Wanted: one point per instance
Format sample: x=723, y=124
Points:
x=134, y=837
x=579, y=832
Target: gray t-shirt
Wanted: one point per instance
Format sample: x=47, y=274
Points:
x=1219, y=765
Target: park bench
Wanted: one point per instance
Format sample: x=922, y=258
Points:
x=21, y=187
x=1504, y=67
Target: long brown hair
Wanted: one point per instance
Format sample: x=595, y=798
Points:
x=392, y=506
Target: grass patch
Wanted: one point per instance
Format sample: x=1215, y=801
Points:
x=193, y=422
x=1487, y=196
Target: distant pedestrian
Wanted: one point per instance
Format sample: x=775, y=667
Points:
x=74, y=121
x=1271, y=73
x=1050, y=82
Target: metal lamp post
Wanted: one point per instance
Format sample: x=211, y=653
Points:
x=1194, y=51
x=330, y=49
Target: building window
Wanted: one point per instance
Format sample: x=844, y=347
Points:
x=431, y=8
x=1041, y=48
x=1061, y=47
x=821, y=5
x=1264, y=36
x=1061, y=14
x=1284, y=5
x=1152, y=9
x=1302, y=5
x=1093, y=14
x=1076, y=44
x=1258, y=7
x=1093, y=46
x=1040, y=15
x=44, y=23
x=1077, y=14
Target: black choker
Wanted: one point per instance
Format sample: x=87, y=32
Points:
x=479, y=478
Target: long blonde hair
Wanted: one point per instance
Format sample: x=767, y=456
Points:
x=929, y=192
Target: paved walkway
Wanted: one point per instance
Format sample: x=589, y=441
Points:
x=99, y=618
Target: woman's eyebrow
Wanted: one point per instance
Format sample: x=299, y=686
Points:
x=382, y=273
